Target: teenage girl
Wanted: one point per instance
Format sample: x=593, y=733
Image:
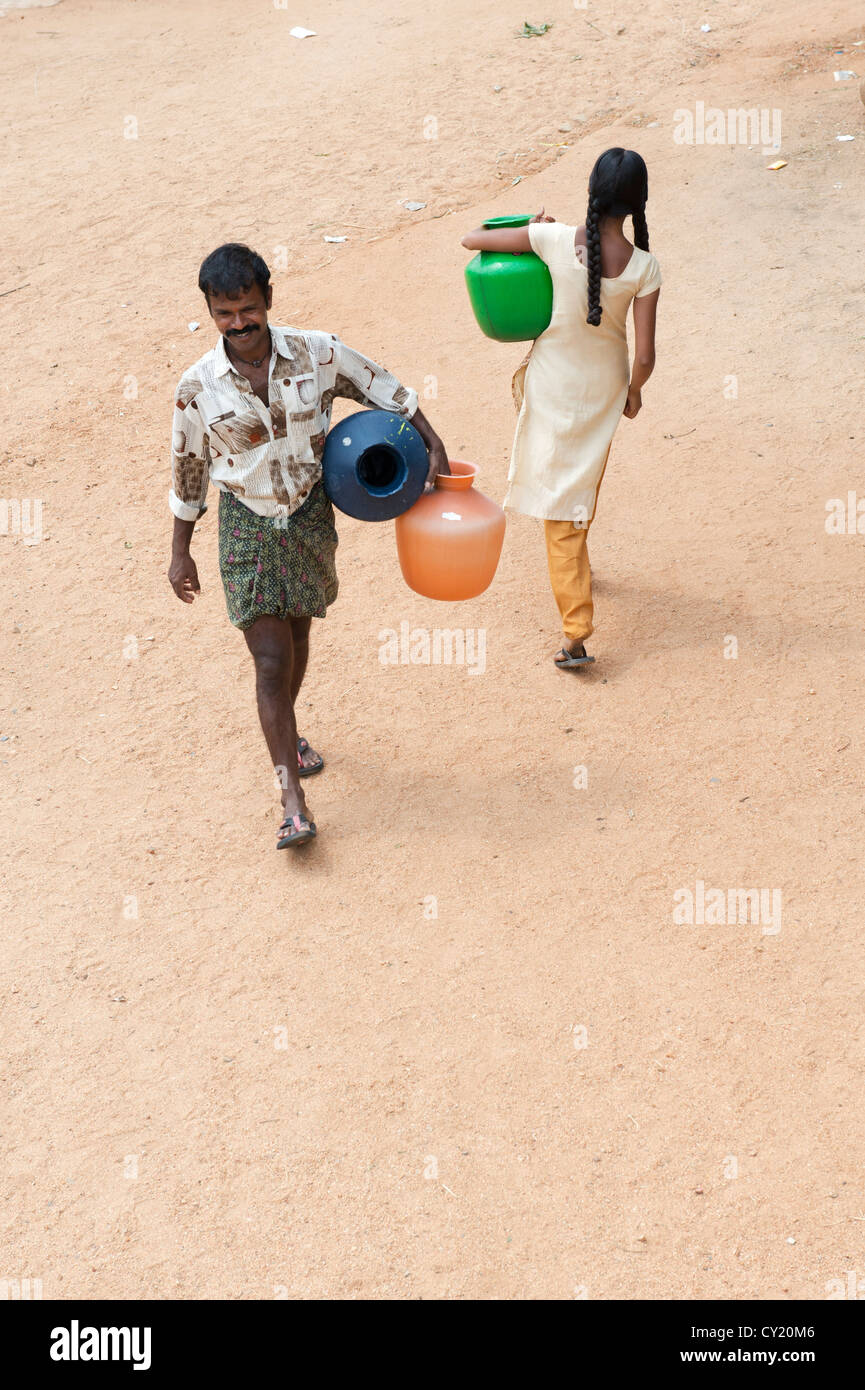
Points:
x=575, y=385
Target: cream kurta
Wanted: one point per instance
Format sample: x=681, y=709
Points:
x=575, y=384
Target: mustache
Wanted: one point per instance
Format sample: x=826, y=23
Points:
x=241, y=332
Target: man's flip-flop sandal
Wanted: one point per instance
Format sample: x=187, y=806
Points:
x=300, y=830
x=312, y=768
x=571, y=661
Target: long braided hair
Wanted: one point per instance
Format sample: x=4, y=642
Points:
x=618, y=185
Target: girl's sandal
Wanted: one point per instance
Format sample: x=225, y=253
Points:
x=567, y=660
x=300, y=830
x=307, y=769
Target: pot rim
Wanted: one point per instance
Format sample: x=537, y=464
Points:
x=462, y=476
x=514, y=219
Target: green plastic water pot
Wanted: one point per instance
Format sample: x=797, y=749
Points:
x=512, y=296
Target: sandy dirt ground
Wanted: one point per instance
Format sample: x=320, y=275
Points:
x=459, y=1048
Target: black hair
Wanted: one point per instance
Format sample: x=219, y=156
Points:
x=618, y=185
x=231, y=269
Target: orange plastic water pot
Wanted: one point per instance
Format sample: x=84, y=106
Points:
x=450, y=541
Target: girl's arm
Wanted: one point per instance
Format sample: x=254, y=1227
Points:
x=512, y=239
x=645, y=310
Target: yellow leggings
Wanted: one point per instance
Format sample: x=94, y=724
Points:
x=570, y=576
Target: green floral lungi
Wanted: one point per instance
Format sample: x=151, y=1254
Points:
x=284, y=566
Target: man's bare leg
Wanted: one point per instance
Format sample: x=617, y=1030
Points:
x=280, y=650
x=300, y=630
x=300, y=633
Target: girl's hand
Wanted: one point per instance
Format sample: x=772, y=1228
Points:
x=542, y=217
x=633, y=403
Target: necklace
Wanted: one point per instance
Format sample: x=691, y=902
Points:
x=251, y=361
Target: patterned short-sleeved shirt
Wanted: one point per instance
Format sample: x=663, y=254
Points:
x=269, y=456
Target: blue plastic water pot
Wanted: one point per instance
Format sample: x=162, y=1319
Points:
x=375, y=465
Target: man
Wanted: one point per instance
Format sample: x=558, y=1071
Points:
x=251, y=416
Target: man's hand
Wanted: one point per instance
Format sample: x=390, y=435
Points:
x=633, y=403
x=438, y=461
x=438, y=458
x=542, y=217
x=183, y=577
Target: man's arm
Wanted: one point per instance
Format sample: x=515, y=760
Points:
x=378, y=387
x=438, y=458
x=182, y=572
x=190, y=475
